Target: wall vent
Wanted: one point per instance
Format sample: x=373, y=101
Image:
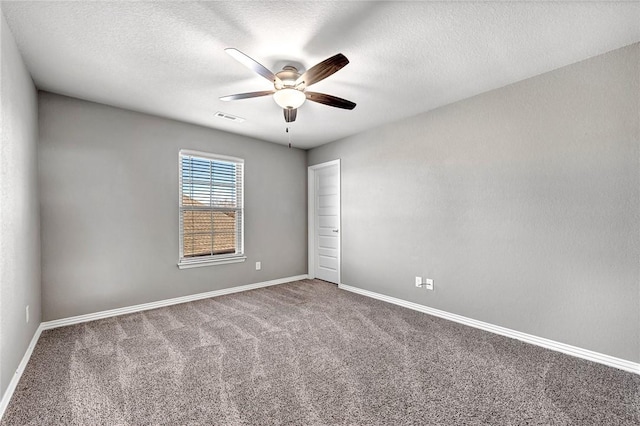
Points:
x=225, y=116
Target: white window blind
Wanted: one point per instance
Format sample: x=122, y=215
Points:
x=211, y=209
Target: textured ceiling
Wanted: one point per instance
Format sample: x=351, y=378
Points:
x=168, y=59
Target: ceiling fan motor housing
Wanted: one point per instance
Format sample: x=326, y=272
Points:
x=288, y=77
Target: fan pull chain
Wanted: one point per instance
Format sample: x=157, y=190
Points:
x=289, y=133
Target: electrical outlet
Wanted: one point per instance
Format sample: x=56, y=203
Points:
x=258, y=266
x=27, y=313
x=429, y=285
x=418, y=281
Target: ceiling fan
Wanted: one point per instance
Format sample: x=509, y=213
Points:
x=289, y=86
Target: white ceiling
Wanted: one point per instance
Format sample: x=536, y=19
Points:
x=167, y=58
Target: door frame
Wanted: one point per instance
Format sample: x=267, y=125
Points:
x=311, y=217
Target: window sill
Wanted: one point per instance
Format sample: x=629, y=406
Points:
x=211, y=262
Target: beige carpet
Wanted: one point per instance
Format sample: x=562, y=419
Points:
x=307, y=353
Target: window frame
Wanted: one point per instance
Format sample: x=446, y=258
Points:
x=213, y=259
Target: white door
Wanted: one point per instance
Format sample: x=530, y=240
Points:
x=325, y=195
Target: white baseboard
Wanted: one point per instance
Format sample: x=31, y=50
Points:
x=167, y=302
x=120, y=311
x=608, y=360
x=6, y=397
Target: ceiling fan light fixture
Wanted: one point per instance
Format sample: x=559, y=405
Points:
x=289, y=98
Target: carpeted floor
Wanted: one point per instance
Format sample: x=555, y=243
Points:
x=307, y=353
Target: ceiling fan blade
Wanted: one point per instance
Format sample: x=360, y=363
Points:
x=290, y=114
x=323, y=70
x=252, y=64
x=333, y=101
x=246, y=95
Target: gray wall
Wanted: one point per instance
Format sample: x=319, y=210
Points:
x=109, y=208
x=522, y=204
x=19, y=213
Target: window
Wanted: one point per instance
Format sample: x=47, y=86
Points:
x=211, y=209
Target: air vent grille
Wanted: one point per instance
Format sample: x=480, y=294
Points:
x=229, y=117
